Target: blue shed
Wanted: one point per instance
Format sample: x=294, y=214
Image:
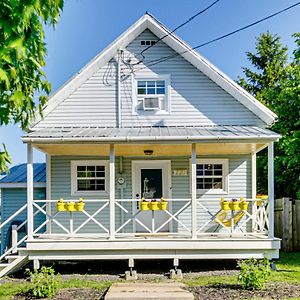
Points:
x=14, y=196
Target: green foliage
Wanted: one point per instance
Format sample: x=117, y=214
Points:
x=254, y=273
x=4, y=159
x=45, y=282
x=22, y=57
x=275, y=82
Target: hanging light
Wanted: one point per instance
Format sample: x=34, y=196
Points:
x=148, y=152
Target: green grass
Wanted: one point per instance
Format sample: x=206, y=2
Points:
x=288, y=270
x=8, y=290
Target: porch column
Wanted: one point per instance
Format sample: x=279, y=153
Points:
x=271, y=188
x=112, y=191
x=194, y=192
x=29, y=192
x=253, y=188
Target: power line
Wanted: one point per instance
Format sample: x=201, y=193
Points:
x=175, y=29
x=162, y=59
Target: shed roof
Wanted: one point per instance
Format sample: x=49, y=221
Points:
x=17, y=176
x=149, y=134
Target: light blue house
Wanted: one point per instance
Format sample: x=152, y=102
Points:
x=14, y=197
x=146, y=148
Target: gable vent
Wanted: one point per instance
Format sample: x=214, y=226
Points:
x=148, y=43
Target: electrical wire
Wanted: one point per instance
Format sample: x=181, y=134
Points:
x=175, y=29
x=163, y=59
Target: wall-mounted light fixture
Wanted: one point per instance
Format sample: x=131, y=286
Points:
x=148, y=152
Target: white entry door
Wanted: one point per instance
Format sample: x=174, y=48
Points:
x=151, y=179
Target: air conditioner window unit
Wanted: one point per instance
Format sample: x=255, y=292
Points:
x=151, y=103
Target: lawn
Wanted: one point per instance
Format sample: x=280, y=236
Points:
x=288, y=271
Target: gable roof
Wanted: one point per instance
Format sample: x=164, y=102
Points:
x=17, y=176
x=147, y=21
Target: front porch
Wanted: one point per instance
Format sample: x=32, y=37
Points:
x=196, y=225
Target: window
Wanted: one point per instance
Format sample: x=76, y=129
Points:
x=151, y=95
x=148, y=43
x=89, y=177
x=212, y=175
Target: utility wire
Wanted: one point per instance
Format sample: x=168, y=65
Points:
x=162, y=59
x=181, y=25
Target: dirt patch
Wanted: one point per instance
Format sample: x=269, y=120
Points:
x=67, y=294
x=228, y=292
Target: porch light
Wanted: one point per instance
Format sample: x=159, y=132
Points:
x=148, y=152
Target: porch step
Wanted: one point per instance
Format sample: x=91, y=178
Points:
x=7, y=268
x=11, y=258
x=151, y=291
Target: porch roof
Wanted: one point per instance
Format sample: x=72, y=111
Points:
x=149, y=134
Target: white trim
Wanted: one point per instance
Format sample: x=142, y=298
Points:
x=194, y=190
x=176, y=44
x=88, y=162
x=225, y=163
x=165, y=165
x=271, y=188
x=112, y=189
x=167, y=96
x=29, y=192
x=48, y=190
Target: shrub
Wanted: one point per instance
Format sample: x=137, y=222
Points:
x=45, y=282
x=254, y=273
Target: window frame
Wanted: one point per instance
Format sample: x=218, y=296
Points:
x=135, y=96
x=74, y=178
x=225, y=176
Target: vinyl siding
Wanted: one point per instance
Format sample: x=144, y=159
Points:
x=239, y=186
x=12, y=200
x=194, y=98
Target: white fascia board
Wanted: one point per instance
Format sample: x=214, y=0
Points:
x=213, y=73
x=93, y=66
x=21, y=185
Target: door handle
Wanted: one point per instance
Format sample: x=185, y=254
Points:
x=137, y=202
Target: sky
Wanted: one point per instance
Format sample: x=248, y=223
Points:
x=88, y=26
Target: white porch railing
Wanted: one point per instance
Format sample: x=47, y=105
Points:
x=93, y=221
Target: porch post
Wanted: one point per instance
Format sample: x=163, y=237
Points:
x=271, y=188
x=194, y=192
x=254, y=188
x=29, y=192
x=112, y=190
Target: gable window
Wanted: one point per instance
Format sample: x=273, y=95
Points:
x=89, y=177
x=212, y=176
x=148, y=43
x=151, y=95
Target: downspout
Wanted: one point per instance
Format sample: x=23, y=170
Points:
x=119, y=108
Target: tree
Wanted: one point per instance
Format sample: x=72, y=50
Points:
x=275, y=82
x=22, y=58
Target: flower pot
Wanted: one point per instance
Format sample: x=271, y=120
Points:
x=225, y=205
x=144, y=205
x=244, y=205
x=60, y=206
x=163, y=205
x=154, y=205
x=79, y=206
x=71, y=206
x=261, y=198
x=235, y=205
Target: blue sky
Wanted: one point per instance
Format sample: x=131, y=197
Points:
x=88, y=26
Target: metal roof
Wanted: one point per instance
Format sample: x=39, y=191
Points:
x=149, y=134
x=18, y=174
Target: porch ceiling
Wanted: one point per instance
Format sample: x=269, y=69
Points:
x=158, y=150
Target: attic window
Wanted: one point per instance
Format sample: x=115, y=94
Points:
x=148, y=43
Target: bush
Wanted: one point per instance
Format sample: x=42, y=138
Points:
x=254, y=273
x=45, y=282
